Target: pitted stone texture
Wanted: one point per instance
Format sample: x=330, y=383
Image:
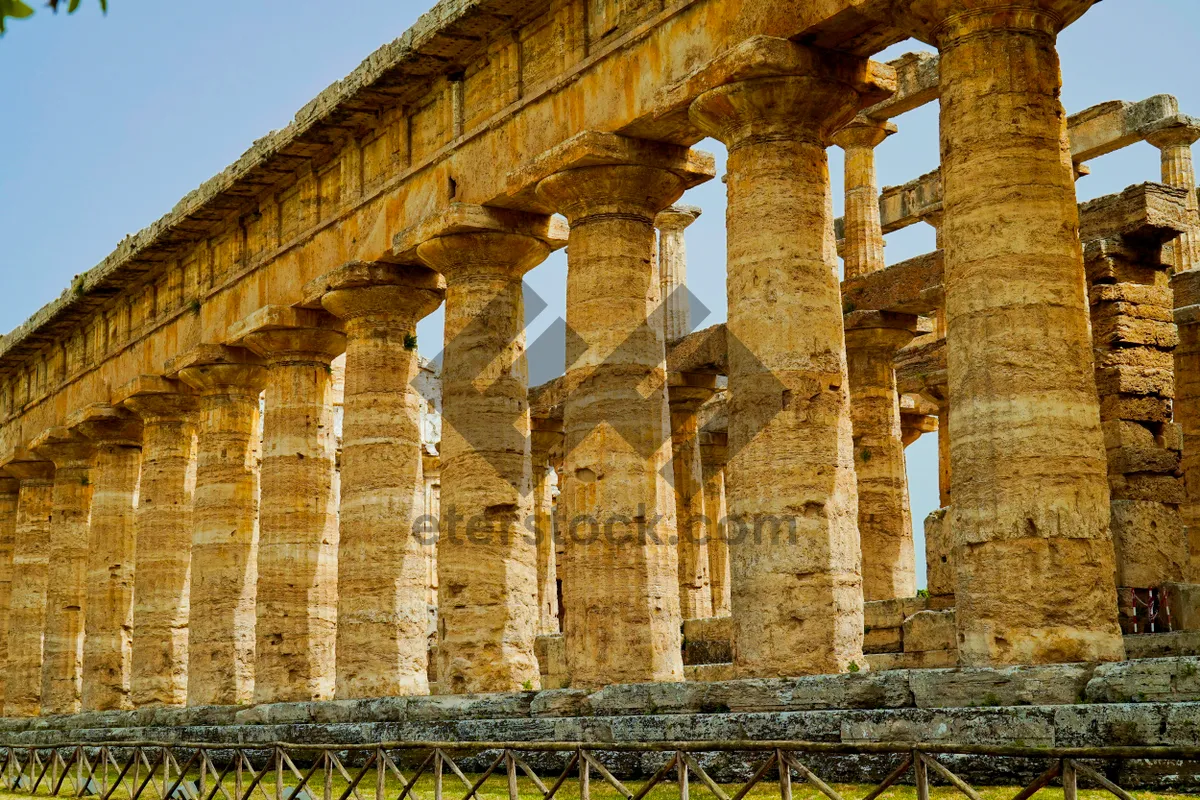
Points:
x=487, y=564
x=1153, y=680
x=891, y=613
x=382, y=569
x=296, y=601
x=620, y=582
x=1034, y=555
x=27, y=615
x=929, y=630
x=1055, y=684
x=939, y=553
x=863, y=230
x=163, y=549
x=66, y=592
x=672, y=269
x=708, y=641
x=796, y=597
x=107, y=647
x=884, y=520
x=545, y=443
x=686, y=393
x=225, y=519
x=713, y=449
x=9, y=492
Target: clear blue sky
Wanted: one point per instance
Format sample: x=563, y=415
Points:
x=108, y=121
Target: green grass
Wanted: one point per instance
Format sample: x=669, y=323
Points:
x=496, y=788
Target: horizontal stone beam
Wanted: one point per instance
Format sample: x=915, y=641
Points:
x=917, y=83
x=1150, y=212
x=910, y=287
x=921, y=368
x=702, y=351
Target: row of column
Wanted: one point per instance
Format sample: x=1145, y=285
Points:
x=1033, y=549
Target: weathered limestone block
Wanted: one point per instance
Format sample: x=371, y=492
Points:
x=487, y=564
x=229, y=381
x=713, y=455
x=891, y=613
x=686, y=393
x=108, y=644
x=66, y=590
x=545, y=448
x=10, y=489
x=1186, y=286
x=923, y=659
x=382, y=581
x=929, y=630
x=296, y=600
x=1184, y=601
x=1163, y=645
x=883, y=640
x=884, y=518
x=863, y=249
x=1165, y=680
x=672, y=269
x=1041, y=685
x=163, y=548
x=1174, y=139
x=31, y=556
x=620, y=583
x=1030, y=508
x=707, y=641
x=551, y=654
x=797, y=592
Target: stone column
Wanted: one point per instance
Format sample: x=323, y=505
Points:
x=863, y=252
x=382, y=616
x=546, y=437
x=686, y=393
x=790, y=484
x=1030, y=514
x=66, y=590
x=31, y=558
x=712, y=460
x=884, y=520
x=107, y=647
x=9, y=492
x=621, y=585
x=487, y=564
x=1174, y=140
x=229, y=381
x=672, y=268
x=163, y=551
x=296, y=600
x=1186, y=286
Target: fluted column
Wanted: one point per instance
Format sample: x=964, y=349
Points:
x=296, y=596
x=713, y=455
x=107, y=647
x=672, y=268
x=163, y=551
x=1030, y=512
x=9, y=492
x=686, y=393
x=1174, y=142
x=66, y=590
x=864, y=233
x=31, y=559
x=229, y=381
x=382, y=614
x=790, y=484
x=621, y=585
x=545, y=442
x=884, y=519
x=487, y=565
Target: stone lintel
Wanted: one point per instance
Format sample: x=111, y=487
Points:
x=209, y=354
x=361, y=274
x=768, y=57
x=107, y=424
x=24, y=464
x=66, y=447
x=880, y=320
x=1186, y=286
x=1149, y=214
x=595, y=149
x=1111, y=126
x=910, y=287
x=700, y=351
x=921, y=368
x=918, y=404
x=282, y=318
x=466, y=218
x=918, y=81
x=147, y=385
x=546, y=401
x=713, y=416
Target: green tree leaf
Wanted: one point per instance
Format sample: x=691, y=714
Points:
x=73, y=6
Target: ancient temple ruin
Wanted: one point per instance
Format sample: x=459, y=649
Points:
x=229, y=479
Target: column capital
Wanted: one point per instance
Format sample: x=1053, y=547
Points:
x=714, y=447
x=879, y=329
x=546, y=439
x=863, y=131
x=154, y=398
x=105, y=424
x=66, y=448
x=364, y=289
x=9, y=485
x=1180, y=131
x=769, y=89
x=217, y=369
x=940, y=22
x=687, y=391
x=677, y=217
x=281, y=334
x=464, y=223
x=603, y=173
x=26, y=466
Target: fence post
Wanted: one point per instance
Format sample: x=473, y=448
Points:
x=1070, y=780
x=681, y=769
x=785, y=776
x=437, y=775
x=921, y=774
x=585, y=778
